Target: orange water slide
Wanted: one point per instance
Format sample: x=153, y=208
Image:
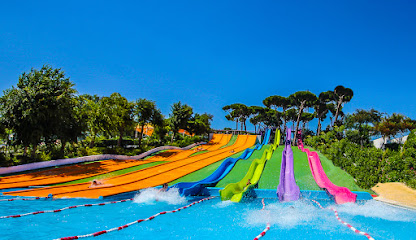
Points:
x=80, y=171
x=223, y=140
x=144, y=178
x=75, y=172
x=217, y=141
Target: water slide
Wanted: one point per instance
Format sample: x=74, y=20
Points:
x=92, y=158
x=76, y=172
x=287, y=190
x=144, y=178
x=236, y=191
x=194, y=188
x=340, y=194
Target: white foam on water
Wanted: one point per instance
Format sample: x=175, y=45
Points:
x=152, y=196
x=223, y=204
x=285, y=215
x=376, y=209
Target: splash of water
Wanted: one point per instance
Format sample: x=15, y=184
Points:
x=153, y=196
x=376, y=209
x=223, y=204
x=285, y=215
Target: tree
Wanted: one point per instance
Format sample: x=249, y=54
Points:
x=271, y=118
x=179, y=117
x=292, y=115
x=321, y=108
x=41, y=107
x=200, y=124
x=390, y=126
x=239, y=112
x=92, y=112
x=146, y=112
x=119, y=114
x=361, y=124
x=305, y=118
x=256, y=112
x=341, y=95
x=302, y=100
x=278, y=101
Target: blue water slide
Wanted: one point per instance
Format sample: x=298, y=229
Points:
x=194, y=188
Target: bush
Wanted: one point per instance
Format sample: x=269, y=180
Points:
x=368, y=165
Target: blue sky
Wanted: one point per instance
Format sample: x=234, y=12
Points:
x=209, y=54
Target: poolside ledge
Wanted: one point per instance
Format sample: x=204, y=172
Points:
x=396, y=193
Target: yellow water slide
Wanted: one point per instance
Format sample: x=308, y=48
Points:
x=145, y=178
x=80, y=171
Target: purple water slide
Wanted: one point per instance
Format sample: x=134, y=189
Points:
x=341, y=194
x=287, y=190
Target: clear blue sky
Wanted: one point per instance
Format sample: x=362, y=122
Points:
x=213, y=53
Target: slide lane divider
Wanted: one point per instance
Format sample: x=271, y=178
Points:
x=131, y=223
x=65, y=208
x=267, y=225
x=345, y=223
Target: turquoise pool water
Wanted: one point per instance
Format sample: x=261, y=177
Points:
x=212, y=219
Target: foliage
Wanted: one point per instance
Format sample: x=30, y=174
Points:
x=118, y=113
x=341, y=95
x=44, y=114
x=146, y=112
x=361, y=124
x=368, y=165
x=239, y=113
x=390, y=126
x=200, y=124
x=91, y=110
x=277, y=101
x=302, y=100
x=41, y=108
x=180, y=116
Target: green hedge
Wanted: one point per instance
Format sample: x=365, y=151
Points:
x=368, y=165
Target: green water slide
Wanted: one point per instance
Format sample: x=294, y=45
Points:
x=236, y=191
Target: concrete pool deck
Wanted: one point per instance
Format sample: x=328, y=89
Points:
x=396, y=193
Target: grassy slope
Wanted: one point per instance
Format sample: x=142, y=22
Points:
x=270, y=177
x=338, y=176
x=115, y=173
x=240, y=169
x=303, y=175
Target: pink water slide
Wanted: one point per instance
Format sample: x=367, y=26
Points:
x=340, y=194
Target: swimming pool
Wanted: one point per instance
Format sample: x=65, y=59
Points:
x=211, y=219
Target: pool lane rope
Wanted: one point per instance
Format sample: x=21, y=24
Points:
x=65, y=208
x=345, y=223
x=23, y=199
x=267, y=225
x=137, y=221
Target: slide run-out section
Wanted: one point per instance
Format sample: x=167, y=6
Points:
x=340, y=194
x=145, y=178
x=194, y=188
x=236, y=191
